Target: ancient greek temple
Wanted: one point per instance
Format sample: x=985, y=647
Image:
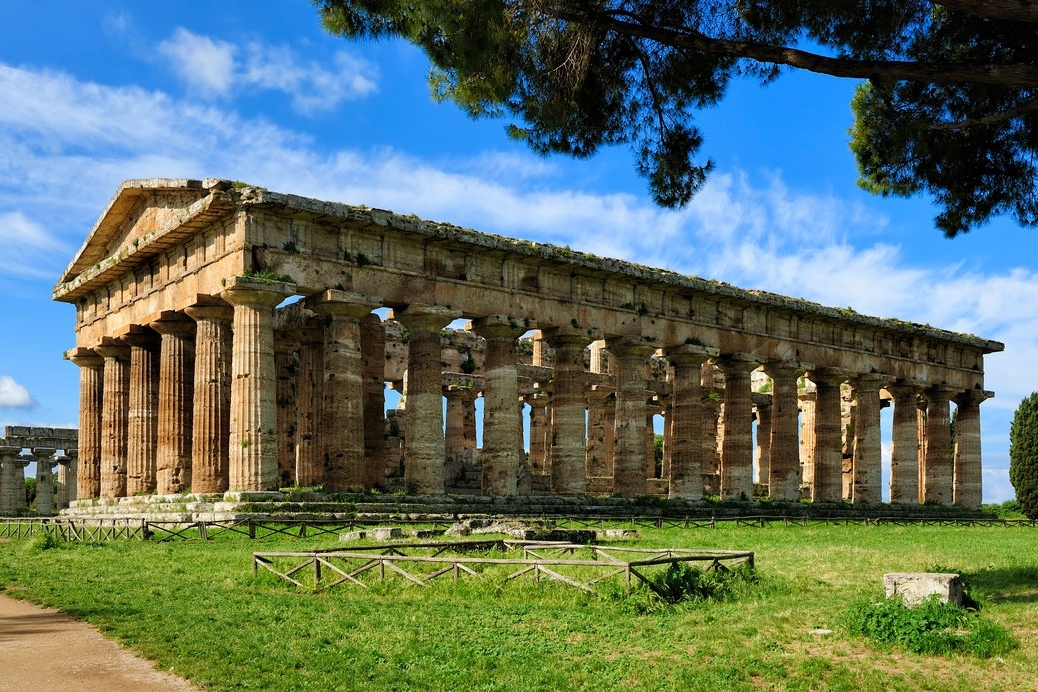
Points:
x=231, y=339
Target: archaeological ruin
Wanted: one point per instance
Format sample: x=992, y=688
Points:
x=235, y=340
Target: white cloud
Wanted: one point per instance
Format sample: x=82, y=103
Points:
x=203, y=63
x=28, y=248
x=213, y=68
x=14, y=395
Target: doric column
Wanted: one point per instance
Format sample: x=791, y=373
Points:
x=567, y=446
x=62, y=494
x=142, y=423
x=114, y=420
x=650, y=441
x=599, y=437
x=967, y=482
x=344, y=469
x=806, y=401
x=72, y=471
x=630, y=466
x=827, y=485
x=373, y=357
x=423, y=421
x=176, y=402
x=938, y=468
x=904, y=448
x=460, y=425
x=44, y=480
x=310, y=403
x=501, y=426
x=286, y=371
x=686, y=421
x=784, y=450
x=867, y=488
x=737, y=445
x=763, y=440
x=91, y=392
x=253, y=462
x=18, y=486
x=8, y=483
x=211, y=412
x=539, y=429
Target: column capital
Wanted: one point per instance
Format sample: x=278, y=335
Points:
x=172, y=323
x=829, y=376
x=44, y=452
x=776, y=369
x=557, y=336
x=940, y=392
x=210, y=312
x=972, y=396
x=256, y=293
x=905, y=387
x=9, y=452
x=690, y=354
x=430, y=317
x=499, y=327
x=738, y=362
x=72, y=454
x=635, y=346
x=337, y=303
x=110, y=348
x=872, y=381
x=85, y=358
x=140, y=337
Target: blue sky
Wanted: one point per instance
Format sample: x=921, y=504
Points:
x=92, y=93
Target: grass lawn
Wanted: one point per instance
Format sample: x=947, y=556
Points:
x=195, y=607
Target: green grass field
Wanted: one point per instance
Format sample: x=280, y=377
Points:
x=195, y=607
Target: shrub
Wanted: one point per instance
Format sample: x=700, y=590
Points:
x=933, y=628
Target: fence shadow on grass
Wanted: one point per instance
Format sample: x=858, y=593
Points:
x=1012, y=584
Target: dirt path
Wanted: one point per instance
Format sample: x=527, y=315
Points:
x=46, y=651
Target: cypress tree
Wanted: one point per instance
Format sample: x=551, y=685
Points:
x=1023, y=455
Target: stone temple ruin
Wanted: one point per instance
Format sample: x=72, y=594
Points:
x=198, y=374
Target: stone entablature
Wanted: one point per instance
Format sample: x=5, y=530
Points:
x=168, y=256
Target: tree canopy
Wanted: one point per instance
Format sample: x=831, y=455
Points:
x=948, y=103
x=1023, y=455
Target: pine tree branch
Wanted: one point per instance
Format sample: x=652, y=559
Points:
x=1010, y=10
x=992, y=119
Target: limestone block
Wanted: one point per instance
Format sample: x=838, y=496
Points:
x=353, y=535
x=385, y=533
x=916, y=587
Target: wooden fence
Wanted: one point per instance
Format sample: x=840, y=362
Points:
x=421, y=563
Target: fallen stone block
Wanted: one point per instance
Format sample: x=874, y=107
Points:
x=353, y=535
x=916, y=587
x=385, y=533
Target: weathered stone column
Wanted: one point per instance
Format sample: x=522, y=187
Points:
x=61, y=495
x=373, y=363
x=599, y=436
x=423, y=423
x=460, y=425
x=253, y=462
x=868, y=451
x=827, y=485
x=938, y=467
x=967, y=482
x=211, y=412
x=763, y=441
x=806, y=401
x=176, y=402
x=344, y=469
x=142, y=423
x=630, y=354
x=686, y=413
x=44, y=480
x=72, y=473
x=568, y=447
x=501, y=426
x=8, y=481
x=904, y=449
x=286, y=370
x=310, y=402
x=737, y=445
x=18, y=486
x=650, y=440
x=91, y=393
x=539, y=430
x=114, y=422
x=784, y=450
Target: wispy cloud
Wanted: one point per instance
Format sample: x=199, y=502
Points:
x=28, y=248
x=217, y=68
x=14, y=395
